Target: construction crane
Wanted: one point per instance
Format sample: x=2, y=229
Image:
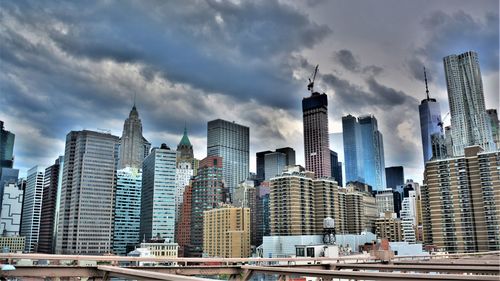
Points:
x=310, y=86
x=441, y=122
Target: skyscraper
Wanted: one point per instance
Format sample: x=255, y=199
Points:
x=430, y=122
x=289, y=154
x=230, y=141
x=134, y=147
x=185, y=148
x=353, y=150
x=495, y=125
x=12, y=206
x=469, y=121
x=87, y=193
x=30, y=220
x=158, y=194
x=50, y=206
x=261, y=164
x=275, y=163
x=208, y=192
x=316, y=137
x=6, y=147
x=183, y=175
x=336, y=167
x=127, y=211
x=373, y=152
x=394, y=176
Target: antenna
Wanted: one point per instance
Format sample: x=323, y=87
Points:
x=135, y=96
x=426, y=88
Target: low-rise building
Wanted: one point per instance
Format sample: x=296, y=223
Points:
x=389, y=227
x=12, y=244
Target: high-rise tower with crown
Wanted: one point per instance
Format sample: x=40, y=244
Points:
x=133, y=146
x=185, y=148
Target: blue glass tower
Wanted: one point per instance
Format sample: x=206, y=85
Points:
x=127, y=209
x=353, y=151
x=430, y=122
x=373, y=152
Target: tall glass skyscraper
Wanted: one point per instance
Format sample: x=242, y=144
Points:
x=32, y=207
x=158, y=194
x=127, y=209
x=230, y=141
x=353, y=150
x=394, y=176
x=316, y=137
x=430, y=122
x=6, y=147
x=275, y=163
x=87, y=193
x=373, y=152
x=469, y=121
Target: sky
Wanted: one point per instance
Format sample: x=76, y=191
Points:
x=78, y=65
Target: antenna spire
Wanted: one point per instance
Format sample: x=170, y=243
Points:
x=426, y=88
x=135, y=97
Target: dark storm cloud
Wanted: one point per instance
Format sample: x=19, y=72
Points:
x=460, y=32
x=348, y=61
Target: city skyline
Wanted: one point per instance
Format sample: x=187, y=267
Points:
x=104, y=71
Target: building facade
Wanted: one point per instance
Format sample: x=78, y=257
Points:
x=495, y=126
x=385, y=201
x=208, y=192
x=261, y=161
x=32, y=207
x=461, y=202
x=12, y=207
x=231, y=142
x=127, y=210
x=226, y=232
x=133, y=146
x=50, y=207
x=394, y=176
x=183, y=227
x=245, y=196
x=469, y=120
x=87, y=193
x=373, y=152
x=336, y=167
x=6, y=148
x=316, y=137
x=263, y=227
x=183, y=175
x=353, y=150
x=388, y=226
x=158, y=194
x=275, y=163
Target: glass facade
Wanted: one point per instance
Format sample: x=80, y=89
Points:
x=352, y=149
x=430, y=123
x=127, y=209
x=158, y=194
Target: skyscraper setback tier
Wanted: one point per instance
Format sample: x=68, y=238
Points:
x=231, y=142
x=133, y=146
x=469, y=121
x=86, y=211
x=461, y=202
x=316, y=137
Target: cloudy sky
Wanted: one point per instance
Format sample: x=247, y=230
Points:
x=72, y=66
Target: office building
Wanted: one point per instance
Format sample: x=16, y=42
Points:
x=158, y=194
x=183, y=226
x=208, y=192
x=183, y=175
x=161, y=248
x=289, y=154
x=316, y=137
x=469, y=120
x=32, y=207
x=388, y=226
x=408, y=216
x=336, y=167
x=373, y=152
x=275, y=163
x=12, y=244
x=50, y=206
x=394, y=176
x=461, y=202
x=133, y=146
x=87, y=193
x=263, y=215
x=231, y=142
x=12, y=206
x=353, y=149
x=226, y=232
x=245, y=196
x=6, y=147
x=360, y=208
x=495, y=126
x=127, y=209
x=430, y=122
x=298, y=203
x=7, y=176
x=185, y=148
x=385, y=201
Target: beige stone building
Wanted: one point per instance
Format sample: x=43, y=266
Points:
x=360, y=209
x=389, y=226
x=13, y=243
x=299, y=203
x=226, y=232
x=461, y=202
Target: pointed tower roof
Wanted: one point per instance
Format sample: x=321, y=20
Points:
x=134, y=112
x=185, y=138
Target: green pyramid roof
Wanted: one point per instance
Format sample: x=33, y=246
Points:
x=185, y=138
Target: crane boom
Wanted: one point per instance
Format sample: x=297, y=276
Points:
x=310, y=86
